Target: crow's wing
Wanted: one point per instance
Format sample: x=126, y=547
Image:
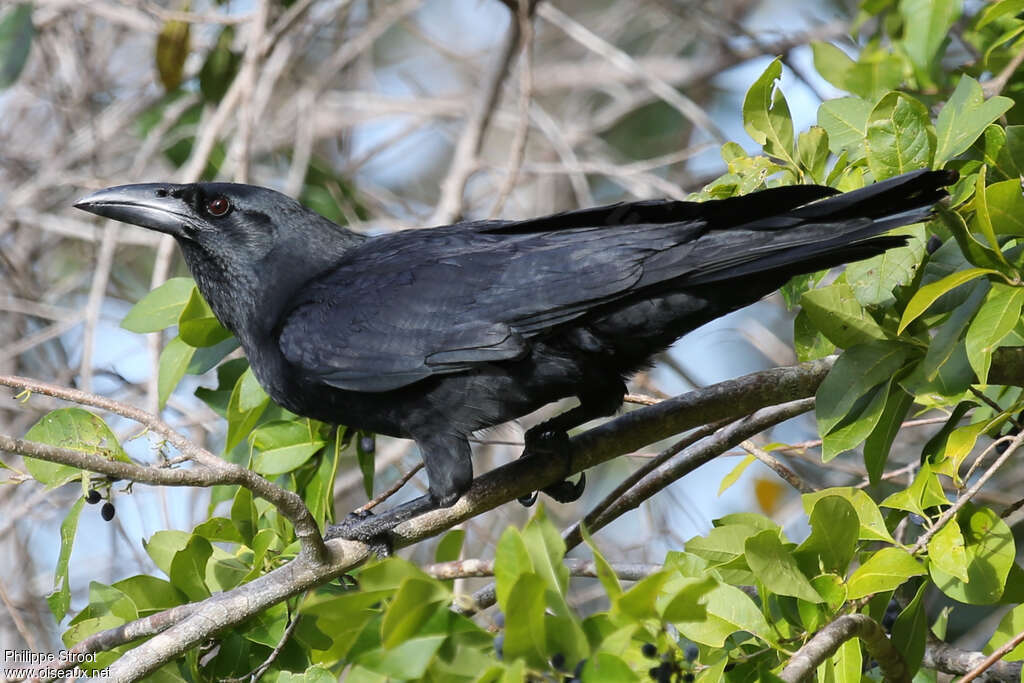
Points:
x=405, y=306
x=412, y=304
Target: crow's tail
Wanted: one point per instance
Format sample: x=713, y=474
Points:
x=824, y=233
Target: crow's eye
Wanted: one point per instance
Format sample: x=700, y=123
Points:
x=218, y=206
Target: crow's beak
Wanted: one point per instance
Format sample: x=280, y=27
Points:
x=148, y=205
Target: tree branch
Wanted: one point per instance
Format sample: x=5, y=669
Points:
x=826, y=641
x=214, y=470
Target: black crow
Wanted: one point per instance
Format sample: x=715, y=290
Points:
x=435, y=334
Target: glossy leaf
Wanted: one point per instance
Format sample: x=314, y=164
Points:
x=160, y=308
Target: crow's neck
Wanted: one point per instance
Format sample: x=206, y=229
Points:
x=250, y=298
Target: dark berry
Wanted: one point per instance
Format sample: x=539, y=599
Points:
x=654, y=672
x=691, y=652
x=499, y=619
x=107, y=511
x=93, y=497
x=367, y=444
x=933, y=244
x=688, y=678
x=499, y=643
x=558, y=661
x=650, y=650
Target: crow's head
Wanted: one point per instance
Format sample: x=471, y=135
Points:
x=242, y=243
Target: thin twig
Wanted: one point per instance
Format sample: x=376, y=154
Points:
x=214, y=470
x=377, y=500
x=524, y=15
x=773, y=463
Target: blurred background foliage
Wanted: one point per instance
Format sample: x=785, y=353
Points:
x=383, y=115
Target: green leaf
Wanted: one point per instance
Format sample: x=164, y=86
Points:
x=926, y=296
x=995, y=320
x=774, y=566
x=832, y=63
x=964, y=118
x=873, y=280
x=876, y=72
x=887, y=569
x=833, y=538
x=174, y=361
x=16, y=34
x=164, y=545
x=547, y=550
x=1010, y=625
x=846, y=122
x=856, y=373
x=605, y=667
x=879, y=441
x=412, y=607
x=810, y=344
x=923, y=493
x=450, y=546
x=524, y=621
x=926, y=24
x=856, y=425
x=408, y=661
x=835, y=312
x=172, y=48
x=910, y=632
x=639, y=601
x=734, y=474
x=246, y=405
x=188, y=568
x=60, y=599
x=150, y=594
x=1005, y=207
x=160, y=308
x=285, y=445
x=872, y=525
x=989, y=545
x=197, y=325
x=946, y=551
x=511, y=560
x=900, y=137
x=366, y=460
x=848, y=662
x=719, y=613
x=947, y=344
x=982, y=217
x=605, y=574
x=77, y=430
x=998, y=10
x=812, y=151
x=766, y=115
x=976, y=252
x=723, y=548
x=220, y=67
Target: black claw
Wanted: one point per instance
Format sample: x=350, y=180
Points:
x=528, y=500
x=566, y=491
x=553, y=443
x=362, y=526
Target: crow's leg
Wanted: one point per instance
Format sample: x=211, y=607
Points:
x=449, y=475
x=551, y=437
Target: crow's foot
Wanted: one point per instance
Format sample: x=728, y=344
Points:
x=364, y=527
x=542, y=442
